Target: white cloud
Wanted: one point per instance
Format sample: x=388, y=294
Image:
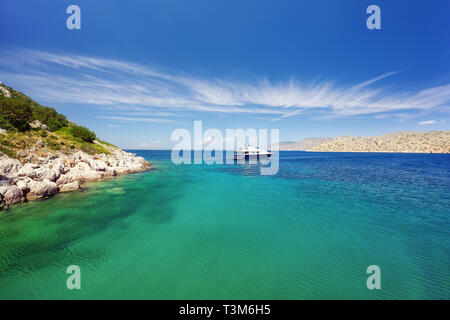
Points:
x=113, y=126
x=422, y=123
x=135, y=119
x=124, y=86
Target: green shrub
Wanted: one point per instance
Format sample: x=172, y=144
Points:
x=83, y=133
x=6, y=125
x=50, y=117
x=53, y=124
x=52, y=144
x=17, y=112
x=6, y=143
x=44, y=133
x=8, y=152
x=89, y=149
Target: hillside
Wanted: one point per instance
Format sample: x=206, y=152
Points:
x=43, y=153
x=399, y=142
x=27, y=125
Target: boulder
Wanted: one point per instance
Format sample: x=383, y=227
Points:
x=30, y=158
x=40, y=189
x=4, y=91
x=99, y=165
x=36, y=124
x=46, y=173
x=84, y=174
x=75, y=185
x=11, y=195
x=5, y=183
x=23, y=184
x=40, y=143
x=8, y=166
x=21, y=154
x=28, y=170
x=64, y=179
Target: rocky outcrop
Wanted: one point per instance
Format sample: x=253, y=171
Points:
x=36, y=124
x=4, y=92
x=11, y=195
x=61, y=173
x=9, y=168
x=41, y=189
x=398, y=142
x=71, y=186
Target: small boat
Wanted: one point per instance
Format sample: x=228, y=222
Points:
x=248, y=152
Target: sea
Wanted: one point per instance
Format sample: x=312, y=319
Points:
x=313, y=230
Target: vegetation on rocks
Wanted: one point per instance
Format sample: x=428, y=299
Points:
x=43, y=153
x=17, y=112
x=50, y=117
x=30, y=128
x=83, y=133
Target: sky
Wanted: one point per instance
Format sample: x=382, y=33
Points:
x=138, y=70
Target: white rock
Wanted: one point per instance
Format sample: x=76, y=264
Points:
x=39, y=189
x=28, y=170
x=9, y=167
x=46, y=173
x=83, y=174
x=11, y=195
x=23, y=184
x=100, y=165
x=75, y=185
x=64, y=179
x=36, y=124
x=40, y=143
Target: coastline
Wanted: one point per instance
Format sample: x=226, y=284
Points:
x=61, y=173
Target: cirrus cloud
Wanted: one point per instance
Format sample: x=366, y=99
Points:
x=125, y=86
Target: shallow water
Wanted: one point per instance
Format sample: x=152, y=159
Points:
x=226, y=232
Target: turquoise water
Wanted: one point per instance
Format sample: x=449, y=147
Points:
x=225, y=232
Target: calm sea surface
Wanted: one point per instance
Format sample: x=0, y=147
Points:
x=226, y=232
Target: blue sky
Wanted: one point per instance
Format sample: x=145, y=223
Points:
x=137, y=70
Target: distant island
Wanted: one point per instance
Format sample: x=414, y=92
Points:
x=43, y=153
x=397, y=142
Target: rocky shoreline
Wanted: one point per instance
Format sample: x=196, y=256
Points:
x=55, y=173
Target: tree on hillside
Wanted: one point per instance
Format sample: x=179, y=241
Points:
x=17, y=112
x=50, y=117
x=83, y=133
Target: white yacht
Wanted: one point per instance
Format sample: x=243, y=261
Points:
x=248, y=152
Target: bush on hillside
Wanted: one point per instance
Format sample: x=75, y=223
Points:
x=50, y=117
x=17, y=112
x=83, y=133
x=6, y=125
